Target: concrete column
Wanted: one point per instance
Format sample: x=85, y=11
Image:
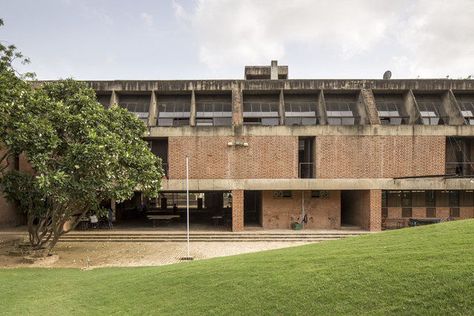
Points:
x=114, y=99
x=153, y=111
x=323, y=116
x=281, y=108
x=452, y=109
x=237, y=106
x=192, y=118
x=113, y=206
x=367, y=103
x=411, y=108
x=375, y=210
x=237, y=210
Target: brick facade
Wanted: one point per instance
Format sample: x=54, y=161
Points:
x=266, y=157
x=322, y=212
x=379, y=156
x=237, y=210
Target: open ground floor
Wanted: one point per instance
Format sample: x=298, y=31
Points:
x=253, y=210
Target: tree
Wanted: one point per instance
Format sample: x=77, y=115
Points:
x=80, y=153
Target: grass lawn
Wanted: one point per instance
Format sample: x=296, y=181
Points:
x=424, y=270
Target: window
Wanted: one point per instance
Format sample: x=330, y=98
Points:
x=301, y=109
x=430, y=199
x=454, y=198
x=406, y=199
x=389, y=109
x=341, y=109
x=104, y=99
x=466, y=103
x=261, y=109
x=137, y=104
x=214, y=110
x=394, y=198
x=174, y=110
x=430, y=106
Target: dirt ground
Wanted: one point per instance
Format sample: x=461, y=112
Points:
x=87, y=255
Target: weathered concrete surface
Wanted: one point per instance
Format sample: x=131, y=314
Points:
x=319, y=184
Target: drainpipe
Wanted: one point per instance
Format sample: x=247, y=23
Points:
x=302, y=209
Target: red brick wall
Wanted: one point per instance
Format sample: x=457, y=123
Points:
x=8, y=214
x=323, y=213
x=266, y=157
x=237, y=210
x=379, y=156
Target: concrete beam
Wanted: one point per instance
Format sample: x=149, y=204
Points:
x=318, y=184
x=281, y=108
x=114, y=99
x=317, y=130
x=367, y=104
x=452, y=109
x=411, y=108
x=192, y=111
x=237, y=106
x=323, y=116
x=153, y=111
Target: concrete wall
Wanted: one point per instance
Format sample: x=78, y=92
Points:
x=323, y=213
x=211, y=157
x=379, y=156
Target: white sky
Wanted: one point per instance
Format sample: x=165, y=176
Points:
x=206, y=39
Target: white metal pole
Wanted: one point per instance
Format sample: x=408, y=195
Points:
x=187, y=203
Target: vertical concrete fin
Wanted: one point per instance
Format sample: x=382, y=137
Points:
x=281, y=108
x=452, y=108
x=114, y=99
x=322, y=114
x=367, y=104
x=192, y=118
x=274, y=70
x=411, y=108
x=237, y=106
x=153, y=111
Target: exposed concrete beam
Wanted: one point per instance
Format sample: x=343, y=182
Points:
x=281, y=108
x=114, y=99
x=323, y=116
x=452, y=108
x=237, y=106
x=318, y=184
x=153, y=111
x=318, y=130
x=192, y=111
x=412, y=108
x=367, y=99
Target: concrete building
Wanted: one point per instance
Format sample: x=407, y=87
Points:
x=268, y=151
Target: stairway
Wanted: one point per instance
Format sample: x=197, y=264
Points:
x=261, y=236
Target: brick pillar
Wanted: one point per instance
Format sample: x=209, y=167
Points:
x=375, y=210
x=237, y=210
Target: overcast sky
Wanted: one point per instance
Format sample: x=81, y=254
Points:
x=205, y=39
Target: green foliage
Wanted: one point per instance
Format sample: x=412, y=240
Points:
x=81, y=153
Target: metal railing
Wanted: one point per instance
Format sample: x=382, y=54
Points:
x=460, y=168
x=306, y=170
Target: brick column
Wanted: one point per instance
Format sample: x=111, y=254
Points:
x=237, y=210
x=375, y=210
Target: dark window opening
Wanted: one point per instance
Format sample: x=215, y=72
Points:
x=137, y=104
x=214, y=110
x=306, y=157
x=160, y=148
x=341, y=109
x=466, y=103
x=390, y=109
x=431, y=109
x=301, y=109
x=261, y=109
x=459, y=156
x=174, y=110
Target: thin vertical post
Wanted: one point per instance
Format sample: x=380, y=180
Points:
x=187, y=203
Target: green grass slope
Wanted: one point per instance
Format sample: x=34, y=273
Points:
x=424, y=270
